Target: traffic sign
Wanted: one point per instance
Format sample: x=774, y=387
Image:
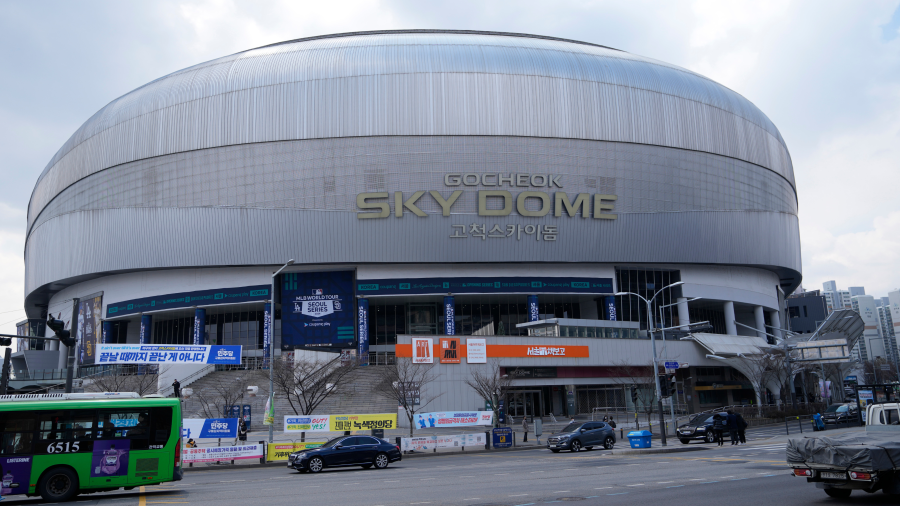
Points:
x=671, y=365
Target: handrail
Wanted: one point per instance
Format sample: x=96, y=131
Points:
x=169, y=390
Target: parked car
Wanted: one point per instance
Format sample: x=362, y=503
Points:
x=699, y=427
x=840, y=413
x=363, y=451
x=578, y=435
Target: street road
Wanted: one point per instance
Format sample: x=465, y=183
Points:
x=754, y=474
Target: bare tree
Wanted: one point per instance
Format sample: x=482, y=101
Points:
x=401, y=381
x=491, y=385
x=214, y=399
x=307, y=382
x=642, y=381
x=140, y=381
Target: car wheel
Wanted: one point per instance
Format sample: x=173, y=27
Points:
x=381, y=461
x=838, y=493
x=609, y=442
x=315, y=465
x=685, y=441
x=58, y=484
x=555, y=451
x=710, y=437
x=575, y=446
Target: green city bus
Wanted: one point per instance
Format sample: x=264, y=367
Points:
x=60, y=445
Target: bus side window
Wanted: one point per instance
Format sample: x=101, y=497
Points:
x=162, y=425
x=54, y=425
x=16, y=433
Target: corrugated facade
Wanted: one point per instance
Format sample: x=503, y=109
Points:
x=257, y=157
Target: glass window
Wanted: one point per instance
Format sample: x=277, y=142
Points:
x=16, y=433
x=54, y=425
x=121, y=424
x=162, y=425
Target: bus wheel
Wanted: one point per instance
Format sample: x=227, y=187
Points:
x=58, y=484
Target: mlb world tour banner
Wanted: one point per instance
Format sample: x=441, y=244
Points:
x=337, y=423
x=168, y=354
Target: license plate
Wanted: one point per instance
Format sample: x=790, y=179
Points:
x=834, y=476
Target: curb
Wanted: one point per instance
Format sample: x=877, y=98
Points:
x=674, y=449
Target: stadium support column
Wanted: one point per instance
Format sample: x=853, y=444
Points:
x=684, y=316
x=449, y=316
x=199, y=326
x=730, y=327
x=533, y=309
x=362, y=324
x=760, y=316
x=776, y=323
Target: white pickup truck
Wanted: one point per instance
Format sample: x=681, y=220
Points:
x=848, y=462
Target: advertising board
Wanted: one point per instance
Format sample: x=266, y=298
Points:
x=422, y=352
x=501, y=437
x=281, y=451
x=194, y=428
x=476, y=351
x=434, y=286
x=188, y=299
x=339, y=423
x=220, y=453
x=426, y=443
x=450, y=350
x=88, y=329
x=453, y=419
x=318, y=310
x=168, y=354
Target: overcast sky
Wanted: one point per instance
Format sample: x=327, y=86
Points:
x=826, y=73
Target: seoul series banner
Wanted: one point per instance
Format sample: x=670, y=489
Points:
x=168, y=354
x=220, y=453
x=208, y=428
x=337, y=423
x=318, y=310
x=453, y=419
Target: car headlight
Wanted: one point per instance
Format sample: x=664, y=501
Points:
x=562, y=438
x=701, y=429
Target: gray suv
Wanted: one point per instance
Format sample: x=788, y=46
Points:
x=578, y=435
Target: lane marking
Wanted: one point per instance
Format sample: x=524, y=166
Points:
x=707, y=482
x=517, y=495
x=664, y=482
x=142, y=500
x=635, y=485
x=675, y=486
x=620, y=493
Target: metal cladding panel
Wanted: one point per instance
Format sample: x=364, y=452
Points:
x=150, y=238
x=417, y=84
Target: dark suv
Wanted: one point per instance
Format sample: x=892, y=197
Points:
x=578, y=435
x=840, y=413
x=700, y=427
x=364, y=451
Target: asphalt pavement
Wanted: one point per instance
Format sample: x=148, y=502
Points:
x=753, y=474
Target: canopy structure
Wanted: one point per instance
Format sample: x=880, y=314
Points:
x=725, y=346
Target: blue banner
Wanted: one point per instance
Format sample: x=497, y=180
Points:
x=534, y=313
x=107, y=332
x=267, y=334
x=610, y=306
x=168, y=354
x=199, y=326
x=146, y=327
x=530, y=285
x=501, y=437
x=209, y=428
x=362, y=318
x=188, y=299
x=449, y=316
x=318, y=310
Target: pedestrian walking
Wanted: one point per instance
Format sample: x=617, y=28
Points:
x=731, y=421
x=242, y=430
x=719, y=424
x=177, y=386
x=742, y=429
x=612, y=423
x=525, y=428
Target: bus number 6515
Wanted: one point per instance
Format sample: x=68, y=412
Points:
x=63, y=447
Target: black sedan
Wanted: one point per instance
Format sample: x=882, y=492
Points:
x=363, y=451
x=700, y=427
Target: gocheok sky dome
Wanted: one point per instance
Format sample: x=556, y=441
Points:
x=262, y=155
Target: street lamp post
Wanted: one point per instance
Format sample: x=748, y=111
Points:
x=663, y=332
x=271, y=349
x=662, y=417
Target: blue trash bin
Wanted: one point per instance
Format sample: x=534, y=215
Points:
x=639, y=438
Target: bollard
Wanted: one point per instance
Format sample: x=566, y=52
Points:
x=622, y=433
x=514, y=439
x=487, y=440
x=800, y=423
x=262, y=460
x=399, y=442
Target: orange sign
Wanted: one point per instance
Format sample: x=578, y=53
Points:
x=449, y=351
x=421, y=349
x=500, y=351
